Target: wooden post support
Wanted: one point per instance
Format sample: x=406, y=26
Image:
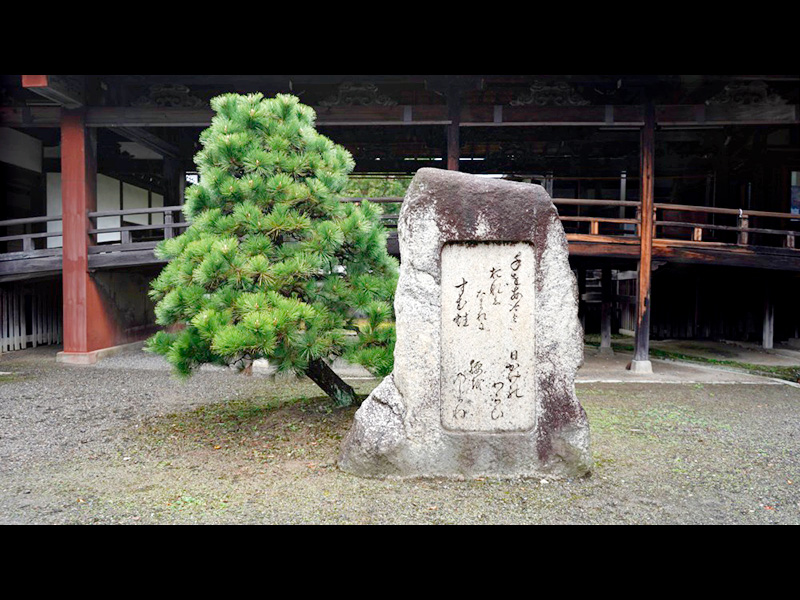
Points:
x=768, y=332
x=744, y=223
x=88, y=325
x=581, y=296
x=641, y=353
x=623, y=193
x=606, y=310
x=173, y=182
x=169, y=232
x=453, y=137
x=696, y=333
x=639, y=221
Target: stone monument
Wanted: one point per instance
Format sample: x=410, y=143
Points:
x=488, y=340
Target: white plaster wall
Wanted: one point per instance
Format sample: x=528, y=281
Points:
x=19, y=149
x=157, y=200
x=54, y=208
x=107, y=199
x=134, y=197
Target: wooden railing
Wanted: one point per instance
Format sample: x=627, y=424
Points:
x=594, y=221
x=593, y=215
x=739, y=225
x=585, y=217
x=25, y=242
x=698, y=221
x=148, y=232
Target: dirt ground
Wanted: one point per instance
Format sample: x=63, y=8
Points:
x=124, y=442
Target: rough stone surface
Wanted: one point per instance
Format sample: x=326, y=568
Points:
x=643, y=367
x=418, y=422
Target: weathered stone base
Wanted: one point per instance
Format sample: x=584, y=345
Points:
x=379, y=446
x=641, y=367
x=794, y=343
x=90, y=358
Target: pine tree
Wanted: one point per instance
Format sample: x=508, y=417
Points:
x=273, y=265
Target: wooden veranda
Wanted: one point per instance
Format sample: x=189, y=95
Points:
x=649, y=173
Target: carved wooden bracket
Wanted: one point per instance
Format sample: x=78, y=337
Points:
x=169, y=95
x=362, y=94
x=747, y=92
x=550, y=94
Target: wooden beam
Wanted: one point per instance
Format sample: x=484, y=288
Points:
x=435, y=114
x=641, y=353
x=148, y=117
x=248, y=80
x=34, y=264
x=30, y=116
x=718, y=115
x=686, y=252
x=590, y=249
x=731, y=255
x=623, y=116
x=68, y=92
x=131, y=258
x=149, y=140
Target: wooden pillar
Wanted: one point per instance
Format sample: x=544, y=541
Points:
x=548, y=183
x=453, y=137
x=720, y=195
x=581, y=296
x=87, y=324
x=173, y=182
x=641, y=353
x=768, y=332
x=696, y=330
x=606, y=311
x=623, y=193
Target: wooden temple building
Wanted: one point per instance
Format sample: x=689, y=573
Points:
x=680, y=195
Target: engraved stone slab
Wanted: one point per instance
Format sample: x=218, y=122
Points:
x=488, y=340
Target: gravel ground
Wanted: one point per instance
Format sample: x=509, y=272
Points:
x=123, y=442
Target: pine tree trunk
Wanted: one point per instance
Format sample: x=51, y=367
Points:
x=320, y=373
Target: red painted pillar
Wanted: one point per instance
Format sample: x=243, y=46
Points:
x=88, y=325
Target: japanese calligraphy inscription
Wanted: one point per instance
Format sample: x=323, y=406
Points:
x=488, y=343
